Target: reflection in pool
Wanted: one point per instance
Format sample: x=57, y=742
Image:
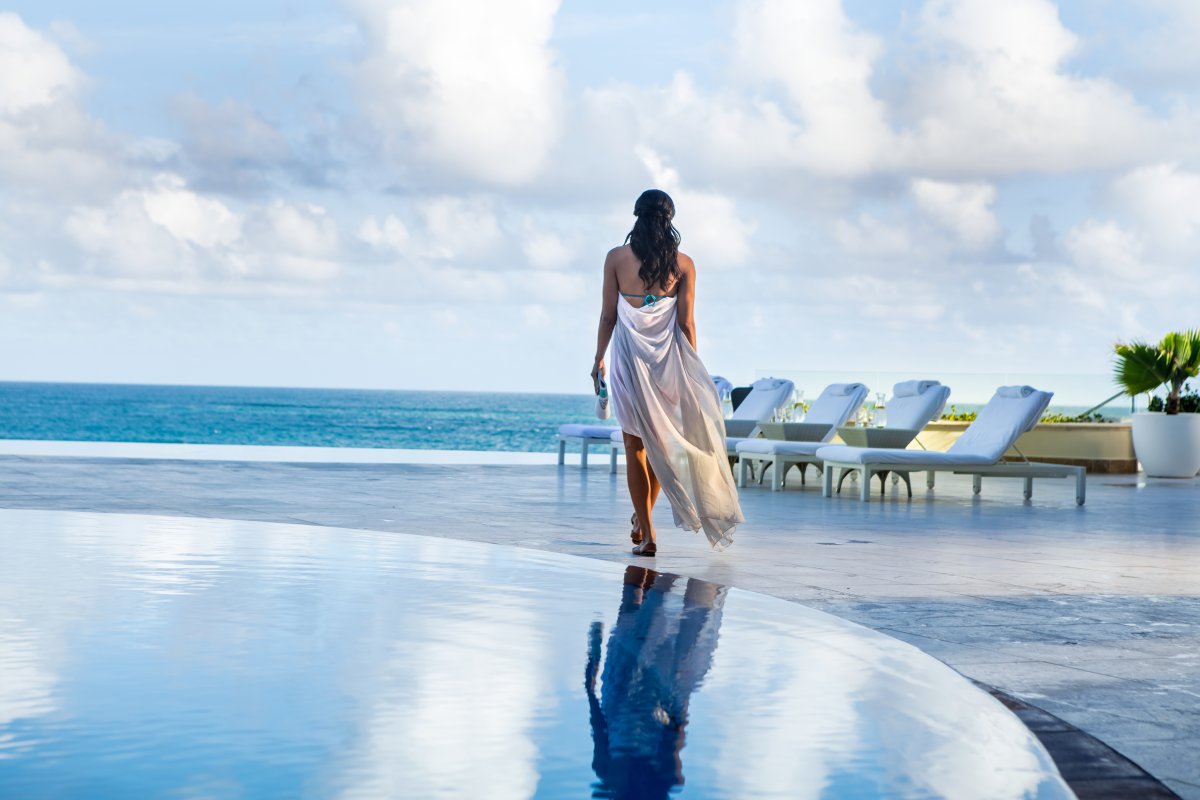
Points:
x=660, y=649
x=155, y=657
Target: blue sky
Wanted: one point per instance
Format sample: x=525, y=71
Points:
x=418, y=194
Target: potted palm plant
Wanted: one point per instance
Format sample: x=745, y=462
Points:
x=1168, y=442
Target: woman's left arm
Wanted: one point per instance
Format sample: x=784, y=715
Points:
x=608, y=318
x=685, y=302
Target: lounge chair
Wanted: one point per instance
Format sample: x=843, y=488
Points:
x=767, y=395
x=1012, y=411
x=914, y=405
x=835, y=405
x=586, y=435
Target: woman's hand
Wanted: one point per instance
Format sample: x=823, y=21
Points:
x=598, y=372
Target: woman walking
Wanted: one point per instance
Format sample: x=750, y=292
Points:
x=663, y=396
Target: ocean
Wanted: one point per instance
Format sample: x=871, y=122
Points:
x=302, y=417
x=408, y=420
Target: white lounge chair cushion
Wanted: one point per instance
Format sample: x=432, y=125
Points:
x=766, y=395
x=574, y=431
x=836, y=404
x=732, y=442
x=618, y=436
x=775, y=447
x=724, y=386
x=914, y=459
x=912, y=388
x=914, y=411
x=1010, y=412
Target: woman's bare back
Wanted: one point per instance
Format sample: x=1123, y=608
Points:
x=626, y=265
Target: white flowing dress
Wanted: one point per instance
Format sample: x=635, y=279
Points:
x=662, y=394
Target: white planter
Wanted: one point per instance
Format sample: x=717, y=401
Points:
x=1167, y=446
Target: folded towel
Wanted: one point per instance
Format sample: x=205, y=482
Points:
x=768, y=383
x=1015, y=391
x=912, y=388
x=843, y=389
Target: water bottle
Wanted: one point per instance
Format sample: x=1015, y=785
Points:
x=602, y=409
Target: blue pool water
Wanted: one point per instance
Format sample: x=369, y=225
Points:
x=159, y=657
x=301, y=417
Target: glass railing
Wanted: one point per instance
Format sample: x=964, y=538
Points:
x=1073, y=393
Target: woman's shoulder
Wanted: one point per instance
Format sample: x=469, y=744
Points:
x=621, y=251
x=686, y=265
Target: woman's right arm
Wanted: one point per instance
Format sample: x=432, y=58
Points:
x=608, y=317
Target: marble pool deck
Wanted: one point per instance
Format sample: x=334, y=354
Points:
x=1092, y=613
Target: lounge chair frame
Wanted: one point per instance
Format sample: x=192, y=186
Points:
x=1026, y=470
x=585, y=443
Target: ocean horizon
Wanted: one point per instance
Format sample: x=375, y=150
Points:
x=303, y=417
x=247, y=415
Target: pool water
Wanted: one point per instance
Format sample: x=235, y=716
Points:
x=164, y=657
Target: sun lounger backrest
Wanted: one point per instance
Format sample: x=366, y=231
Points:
x=1011, y=411
x=836, y=405
x=723, y=385
x=766, y=395
x=914, y=411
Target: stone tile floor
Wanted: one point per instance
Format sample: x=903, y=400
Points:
x=1091, y=613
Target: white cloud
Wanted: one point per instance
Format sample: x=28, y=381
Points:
x=545, y=249
x=993, y=96
x=1106, y=247
x=34, y=71
x=183, y=241
x=869, y=238
x=962, y=209
x=460, y=227
x=299, y=228
x=472, y=86
x=824, y=63
x=187, y=216
x=1164, y=201
x=48, y=144
x=390, y=233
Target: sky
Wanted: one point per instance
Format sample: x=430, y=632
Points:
x=419, y=194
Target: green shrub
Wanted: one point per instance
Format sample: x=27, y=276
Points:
x=1189, y=402
x=954, y=415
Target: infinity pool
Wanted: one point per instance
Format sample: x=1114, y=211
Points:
x=164, y=657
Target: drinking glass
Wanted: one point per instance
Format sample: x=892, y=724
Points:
x=880, y=409
x=798, y=403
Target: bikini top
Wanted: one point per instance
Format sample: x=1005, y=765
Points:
x=648, y=299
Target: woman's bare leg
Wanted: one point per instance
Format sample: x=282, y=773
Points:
x=655, y=487
x=641, y=490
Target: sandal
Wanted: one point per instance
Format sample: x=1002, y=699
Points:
x=647, y=549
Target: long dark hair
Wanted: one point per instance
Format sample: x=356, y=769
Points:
x=654, y=239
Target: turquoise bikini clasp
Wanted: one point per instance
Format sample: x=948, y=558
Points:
x=648, y=299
